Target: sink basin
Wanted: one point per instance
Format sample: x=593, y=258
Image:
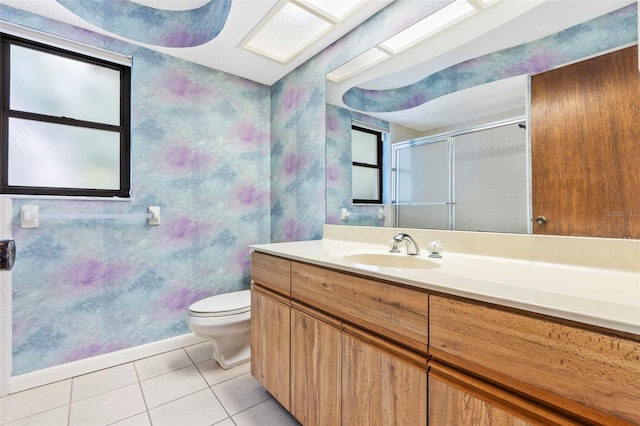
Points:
x=389, y=260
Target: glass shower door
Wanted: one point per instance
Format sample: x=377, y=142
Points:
x=490, y=190
x=422, y=185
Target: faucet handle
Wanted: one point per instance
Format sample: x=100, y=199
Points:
x=435, y=249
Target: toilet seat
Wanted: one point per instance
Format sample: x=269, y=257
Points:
x=234, y=303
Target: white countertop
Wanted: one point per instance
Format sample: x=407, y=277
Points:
x=603, y=297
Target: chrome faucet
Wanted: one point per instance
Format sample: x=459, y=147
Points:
x=412, y=246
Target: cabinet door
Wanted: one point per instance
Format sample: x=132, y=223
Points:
x=315, y=367
x=270, y=343
x=458, y=399
x=382, y=384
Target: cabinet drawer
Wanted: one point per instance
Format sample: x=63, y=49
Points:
x=396, y=312
x=591, y=374
x=271, y=272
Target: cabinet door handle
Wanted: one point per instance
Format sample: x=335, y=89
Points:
x=541, y=220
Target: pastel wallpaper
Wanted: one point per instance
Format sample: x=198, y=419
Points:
x=200, y=151
x=170, y=28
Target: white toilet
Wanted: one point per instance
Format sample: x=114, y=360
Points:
x=225, y=320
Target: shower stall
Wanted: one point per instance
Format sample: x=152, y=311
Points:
x=476, y=179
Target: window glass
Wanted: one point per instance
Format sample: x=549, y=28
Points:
x=68, y=88
x=366, y=170
x=53, y=155
x=365, y=183
x=364, y=147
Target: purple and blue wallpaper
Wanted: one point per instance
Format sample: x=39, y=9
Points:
x=200, y=151
x=170, y=28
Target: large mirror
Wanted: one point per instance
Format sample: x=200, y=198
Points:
x=461, y=99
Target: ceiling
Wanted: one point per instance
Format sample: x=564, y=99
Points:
x=223, y=52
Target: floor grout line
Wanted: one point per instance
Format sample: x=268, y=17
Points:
x=70, y=402
x=144, y=398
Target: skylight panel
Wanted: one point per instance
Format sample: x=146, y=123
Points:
x=287, y=33
x=357, y=64
x=335, y=10
x=430, y=25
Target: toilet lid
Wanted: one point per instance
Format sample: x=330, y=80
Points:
x=233, y=303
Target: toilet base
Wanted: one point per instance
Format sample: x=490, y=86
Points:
x=233, y=356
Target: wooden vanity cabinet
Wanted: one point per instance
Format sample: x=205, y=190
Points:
x=587, y=376
x=271, y=325
x=382, y=374
x=335, y=348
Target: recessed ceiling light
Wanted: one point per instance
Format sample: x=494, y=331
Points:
x=430, y=25
x=357, y=64
x=287, y=30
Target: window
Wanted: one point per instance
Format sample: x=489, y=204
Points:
x=366, y=157
x=65, y=122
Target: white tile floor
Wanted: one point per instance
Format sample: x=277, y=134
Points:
x=184, y=387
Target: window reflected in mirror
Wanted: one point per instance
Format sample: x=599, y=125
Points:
x=366, y=157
